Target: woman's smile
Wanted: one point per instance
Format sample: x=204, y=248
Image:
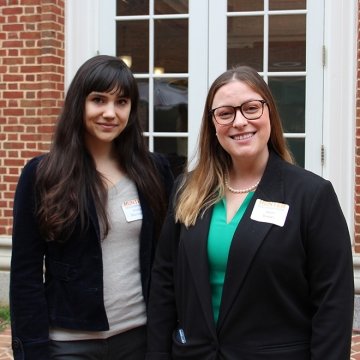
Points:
x=244, y=136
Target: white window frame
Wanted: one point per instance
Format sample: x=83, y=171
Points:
x=198, y=70
x=314, y=69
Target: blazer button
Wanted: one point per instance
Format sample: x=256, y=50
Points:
x=16, y=344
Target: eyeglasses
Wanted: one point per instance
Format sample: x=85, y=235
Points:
x=251, y=110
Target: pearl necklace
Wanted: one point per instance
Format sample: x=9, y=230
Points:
x=240, y=191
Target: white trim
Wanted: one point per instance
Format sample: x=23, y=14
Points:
x=314, y=85
x=265, y=12
x=5, y=253
x=198, y=70
x=107, y=27
x=81, y=34
x=152, y=16
x=166, y=134
x=339, y=101
x=266, y=41
x=218, y=38
x=356, y=261
x=151, y=75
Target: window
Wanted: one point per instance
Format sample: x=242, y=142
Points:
x=152, y=37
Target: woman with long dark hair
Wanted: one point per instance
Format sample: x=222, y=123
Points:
x=86, y=218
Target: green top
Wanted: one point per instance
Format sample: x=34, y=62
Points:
x=219, y=241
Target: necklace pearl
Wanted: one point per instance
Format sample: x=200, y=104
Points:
x=240, y=191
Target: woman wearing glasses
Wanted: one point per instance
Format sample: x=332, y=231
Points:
x=254, y=261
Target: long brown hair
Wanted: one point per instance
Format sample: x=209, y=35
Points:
x=204, y=186
x=67, y=177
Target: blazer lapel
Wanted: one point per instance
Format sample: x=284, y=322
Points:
x=249, y=235
x=195, y=245
x=93, y=216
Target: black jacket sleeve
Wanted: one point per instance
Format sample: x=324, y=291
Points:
x=28, y=307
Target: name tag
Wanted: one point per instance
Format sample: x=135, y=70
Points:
x=132, y=210
x=270, y=212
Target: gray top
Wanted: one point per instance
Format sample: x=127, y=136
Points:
x=123, y=299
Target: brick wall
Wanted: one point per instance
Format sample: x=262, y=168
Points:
x=31, y=87
x=357, y=144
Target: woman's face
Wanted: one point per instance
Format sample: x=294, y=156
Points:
x=106, y=116
x=242, y=139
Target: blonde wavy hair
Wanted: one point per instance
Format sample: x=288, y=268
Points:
x=204, y=185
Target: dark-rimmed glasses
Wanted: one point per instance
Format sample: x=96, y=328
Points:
x=251, y=110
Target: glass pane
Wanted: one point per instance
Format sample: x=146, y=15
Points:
x=289, y=93
x=132, y=44
x=297, y=147
x=245, y=41
x=171, y=105
x=171, y=45
x=143, y=85
x=287, y=4
x=132, y=7
x=245, y=5
x=175, y=149
x=287, y=43
x=171, y=7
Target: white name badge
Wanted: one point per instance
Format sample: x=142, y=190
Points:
x=132, y=210
x=270, y=212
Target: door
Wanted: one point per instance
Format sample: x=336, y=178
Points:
x=283, y=41
x=177, y=48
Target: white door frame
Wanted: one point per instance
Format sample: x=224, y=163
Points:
x=91, y=30
x=340, y=78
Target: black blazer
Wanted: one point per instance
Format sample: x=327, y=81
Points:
x=72, y=293
x=288, y=292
